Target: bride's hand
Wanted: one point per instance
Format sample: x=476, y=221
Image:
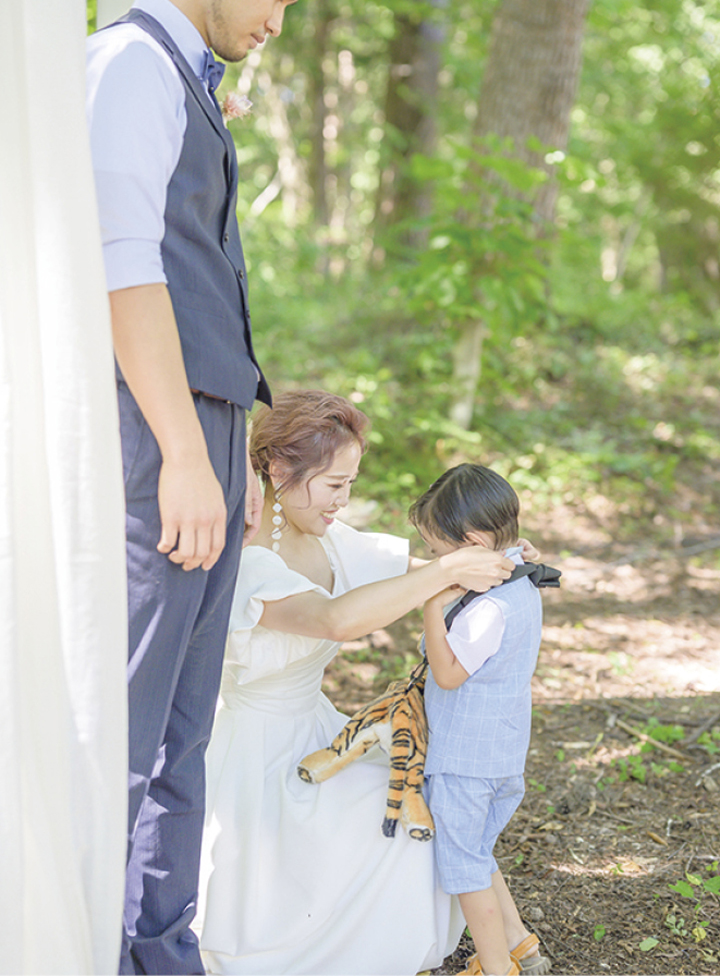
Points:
x=477, y=568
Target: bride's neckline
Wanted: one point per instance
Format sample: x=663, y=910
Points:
x=315, y=564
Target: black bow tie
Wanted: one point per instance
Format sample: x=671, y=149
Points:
x=540, y=575
x=212, y=71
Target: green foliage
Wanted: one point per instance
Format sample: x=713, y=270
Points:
x=535, y=785
x=601, y=351
x=699, y=890
x=695, y=886
x=631, y=768
x=635, y=766
x=710, y=741
x=483, y=260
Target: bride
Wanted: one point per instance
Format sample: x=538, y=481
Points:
x=297, y=878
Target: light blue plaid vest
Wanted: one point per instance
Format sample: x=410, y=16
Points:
x=482, y=728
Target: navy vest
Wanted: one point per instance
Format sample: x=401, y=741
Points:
x=201, y=250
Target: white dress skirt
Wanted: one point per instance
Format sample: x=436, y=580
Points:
x=296, y=877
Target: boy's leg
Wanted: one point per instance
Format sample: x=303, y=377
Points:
x=483, y=915
x=531, y=960
x=470, y=813
x=514, y=928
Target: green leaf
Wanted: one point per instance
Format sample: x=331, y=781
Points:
x=683, y=888
x=647, y=944
x=599, y=932
x=712, y=885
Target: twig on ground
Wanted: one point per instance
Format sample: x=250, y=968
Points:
x=614, y=816
x=713, y=720
x=662, y=746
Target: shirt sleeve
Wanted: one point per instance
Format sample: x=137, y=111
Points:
x=136, y=118
x=476, y=633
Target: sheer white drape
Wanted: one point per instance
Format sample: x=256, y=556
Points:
x=63, y=721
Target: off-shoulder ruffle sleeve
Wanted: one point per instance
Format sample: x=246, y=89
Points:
x=263, y=576
x=254, y=653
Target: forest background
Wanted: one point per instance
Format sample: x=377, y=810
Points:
x=403, y=253
x=494, y=226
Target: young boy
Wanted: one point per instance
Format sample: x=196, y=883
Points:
x=478, y=704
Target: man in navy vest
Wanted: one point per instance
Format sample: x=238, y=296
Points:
x=166, y=178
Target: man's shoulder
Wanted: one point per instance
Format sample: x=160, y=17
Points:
x=128, y=71
x=130, y=49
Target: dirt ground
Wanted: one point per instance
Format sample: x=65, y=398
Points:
x=631, y=653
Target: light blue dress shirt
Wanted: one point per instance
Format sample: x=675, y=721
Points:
x=136, y=117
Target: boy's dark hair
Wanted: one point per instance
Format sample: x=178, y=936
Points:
x=465, y=499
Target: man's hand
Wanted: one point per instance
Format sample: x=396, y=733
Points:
x=192, y=513
x=148, y=350
x=253, y=502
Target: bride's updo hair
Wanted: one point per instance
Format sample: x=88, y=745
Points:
x=303, y=432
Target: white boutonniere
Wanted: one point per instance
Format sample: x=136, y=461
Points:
x=235, y=107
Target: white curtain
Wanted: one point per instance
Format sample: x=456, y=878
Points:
x=63, y=722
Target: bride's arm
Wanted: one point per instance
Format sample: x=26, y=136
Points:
x=376, y=605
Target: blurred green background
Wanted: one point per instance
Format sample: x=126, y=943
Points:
x=497, y=233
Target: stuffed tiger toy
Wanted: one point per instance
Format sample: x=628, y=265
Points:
x=396, y=722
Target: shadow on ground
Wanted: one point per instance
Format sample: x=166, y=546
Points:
x=611, y=858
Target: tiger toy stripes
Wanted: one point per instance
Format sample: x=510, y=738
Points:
x=396, y=722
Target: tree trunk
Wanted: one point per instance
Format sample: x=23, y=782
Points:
x=410, y=117
x=531, y=80
x=528, y=90
x=467, y=357
x=317, y=167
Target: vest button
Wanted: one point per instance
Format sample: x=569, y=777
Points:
x=241, y=274
x=226, y=237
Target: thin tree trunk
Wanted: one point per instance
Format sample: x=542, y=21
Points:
x=317, y=166
x=410, y=118
x=528, y=91
x=467, y=359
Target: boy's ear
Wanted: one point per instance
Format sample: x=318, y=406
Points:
x=480, y=539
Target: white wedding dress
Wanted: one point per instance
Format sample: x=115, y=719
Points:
x=298, y=878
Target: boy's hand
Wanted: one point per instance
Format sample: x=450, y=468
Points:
x=445, y=596
x=529, y=553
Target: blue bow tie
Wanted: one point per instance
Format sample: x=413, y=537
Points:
x=212, y=71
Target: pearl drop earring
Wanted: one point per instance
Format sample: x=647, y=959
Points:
x=276, y=533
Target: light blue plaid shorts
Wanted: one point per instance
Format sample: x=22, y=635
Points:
x=470, y=813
